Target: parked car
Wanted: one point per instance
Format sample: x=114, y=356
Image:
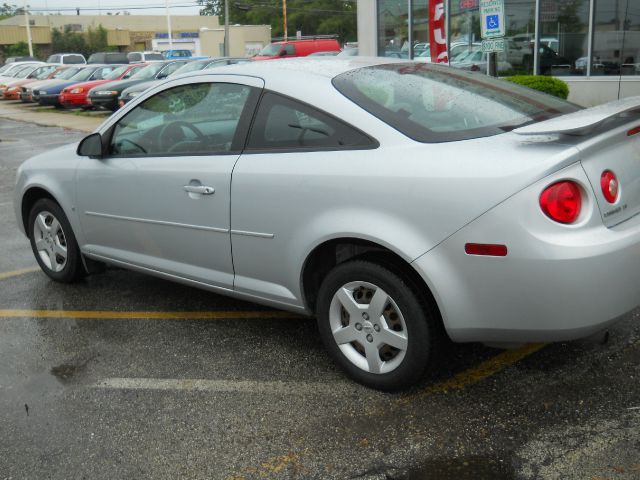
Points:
x=63, y=72
x=23, y=58
x=10, y=70
x=297, y=48
x=13, y=89
x=106, y=96
x=77, y=95
x=144, y=57
x=476, y=61
x=181, y=54
x=108, y=58
x=51, y=94
x=130, y=93
x=20, y=74
x=398, y=202
x=67, y=59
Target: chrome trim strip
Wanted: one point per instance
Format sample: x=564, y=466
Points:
x=158, y=222
x=252, y=234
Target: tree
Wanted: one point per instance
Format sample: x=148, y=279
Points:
x=7, y=11
x=77, y=42
x=312, y=17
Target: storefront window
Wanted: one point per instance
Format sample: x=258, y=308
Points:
x=465, y=48
x=420, y=29
x=393, y=32
x=564, y=37
x=616, y=38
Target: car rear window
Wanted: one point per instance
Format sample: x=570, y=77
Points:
x=73, y=59
x=432, y=104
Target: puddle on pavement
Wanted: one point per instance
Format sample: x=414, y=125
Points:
x=65, y=372
x=466, y=468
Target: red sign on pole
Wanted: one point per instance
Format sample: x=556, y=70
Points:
x=437, y=36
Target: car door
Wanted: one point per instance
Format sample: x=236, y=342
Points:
x=291, y=173
x=160, y=197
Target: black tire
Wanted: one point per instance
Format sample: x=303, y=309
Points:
x=72, y=269
x=420, y=325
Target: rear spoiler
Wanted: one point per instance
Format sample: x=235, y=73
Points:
x=582, y=121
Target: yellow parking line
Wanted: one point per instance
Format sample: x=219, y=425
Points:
x=15, y=273
x=460, y=381
x=114, y=315
x=478, y=373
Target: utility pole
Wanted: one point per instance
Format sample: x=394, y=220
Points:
x=166, y=4
x=284, y=18
x=226, y=28
x=28, y=25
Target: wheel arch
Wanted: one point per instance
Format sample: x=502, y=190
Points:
x=326, y=255
x=29, y=198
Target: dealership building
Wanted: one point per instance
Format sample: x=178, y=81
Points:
x=594, y=45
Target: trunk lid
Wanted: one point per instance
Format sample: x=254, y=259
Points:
x=608, y=138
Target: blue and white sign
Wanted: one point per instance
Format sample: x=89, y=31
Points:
x=492, y=18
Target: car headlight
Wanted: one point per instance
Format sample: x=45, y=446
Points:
x=77, y=90
x=107, y=92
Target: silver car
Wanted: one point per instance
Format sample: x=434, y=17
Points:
x=398, y=202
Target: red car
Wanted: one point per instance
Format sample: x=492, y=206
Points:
x=75, y=96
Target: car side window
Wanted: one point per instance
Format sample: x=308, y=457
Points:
x=193, y=119
x=284, y=123
x=289, y=49
x=135, y=57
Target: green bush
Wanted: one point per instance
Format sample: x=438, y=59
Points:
x=552, y=86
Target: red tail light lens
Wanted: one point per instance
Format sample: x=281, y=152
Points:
x=609, y=185
x=562, y=201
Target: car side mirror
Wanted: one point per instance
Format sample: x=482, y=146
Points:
x=282, y=53
x=161, y=76
x=91, y=146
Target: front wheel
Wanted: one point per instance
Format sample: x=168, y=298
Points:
x=376, y=327
x=53, y=242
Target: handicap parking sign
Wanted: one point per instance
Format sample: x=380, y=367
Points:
x=492, y=18
x=493, y=22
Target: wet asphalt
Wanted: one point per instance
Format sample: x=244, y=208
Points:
x=259, y=398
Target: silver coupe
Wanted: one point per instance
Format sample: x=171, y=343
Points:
x=398, y=202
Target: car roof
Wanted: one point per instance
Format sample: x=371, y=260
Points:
x=326, y=67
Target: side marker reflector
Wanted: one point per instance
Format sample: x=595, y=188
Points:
x=486, y=249
x=633, y=131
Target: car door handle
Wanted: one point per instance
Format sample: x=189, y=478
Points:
x=201, y=189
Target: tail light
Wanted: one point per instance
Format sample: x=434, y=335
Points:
x=609, y=185
x=562, y=201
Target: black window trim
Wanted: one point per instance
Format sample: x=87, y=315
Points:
x=237, y=144
x=262, y=150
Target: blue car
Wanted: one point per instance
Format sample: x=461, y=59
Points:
x=49, y=95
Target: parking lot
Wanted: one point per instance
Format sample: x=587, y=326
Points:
x=128, y=376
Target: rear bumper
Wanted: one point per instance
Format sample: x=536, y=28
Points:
x=556, y=283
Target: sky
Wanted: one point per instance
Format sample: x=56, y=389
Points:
x=97, y=7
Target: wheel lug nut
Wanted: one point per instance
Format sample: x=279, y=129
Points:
x=365, y=315
x=376, y=328
x=358, y=326
x=369, y=338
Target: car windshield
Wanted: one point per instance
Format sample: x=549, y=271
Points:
x=271, y=50
x=4, y=68
x=68, y=73
x=82, y=74
x=43, y=72
x=153, y=56
x=114, y=75
x=431, y=103
x=148, y=72
x=25, y=72
x=189, y=67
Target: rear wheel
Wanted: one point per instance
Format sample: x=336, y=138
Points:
x=376, y=327
x=53, y=242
